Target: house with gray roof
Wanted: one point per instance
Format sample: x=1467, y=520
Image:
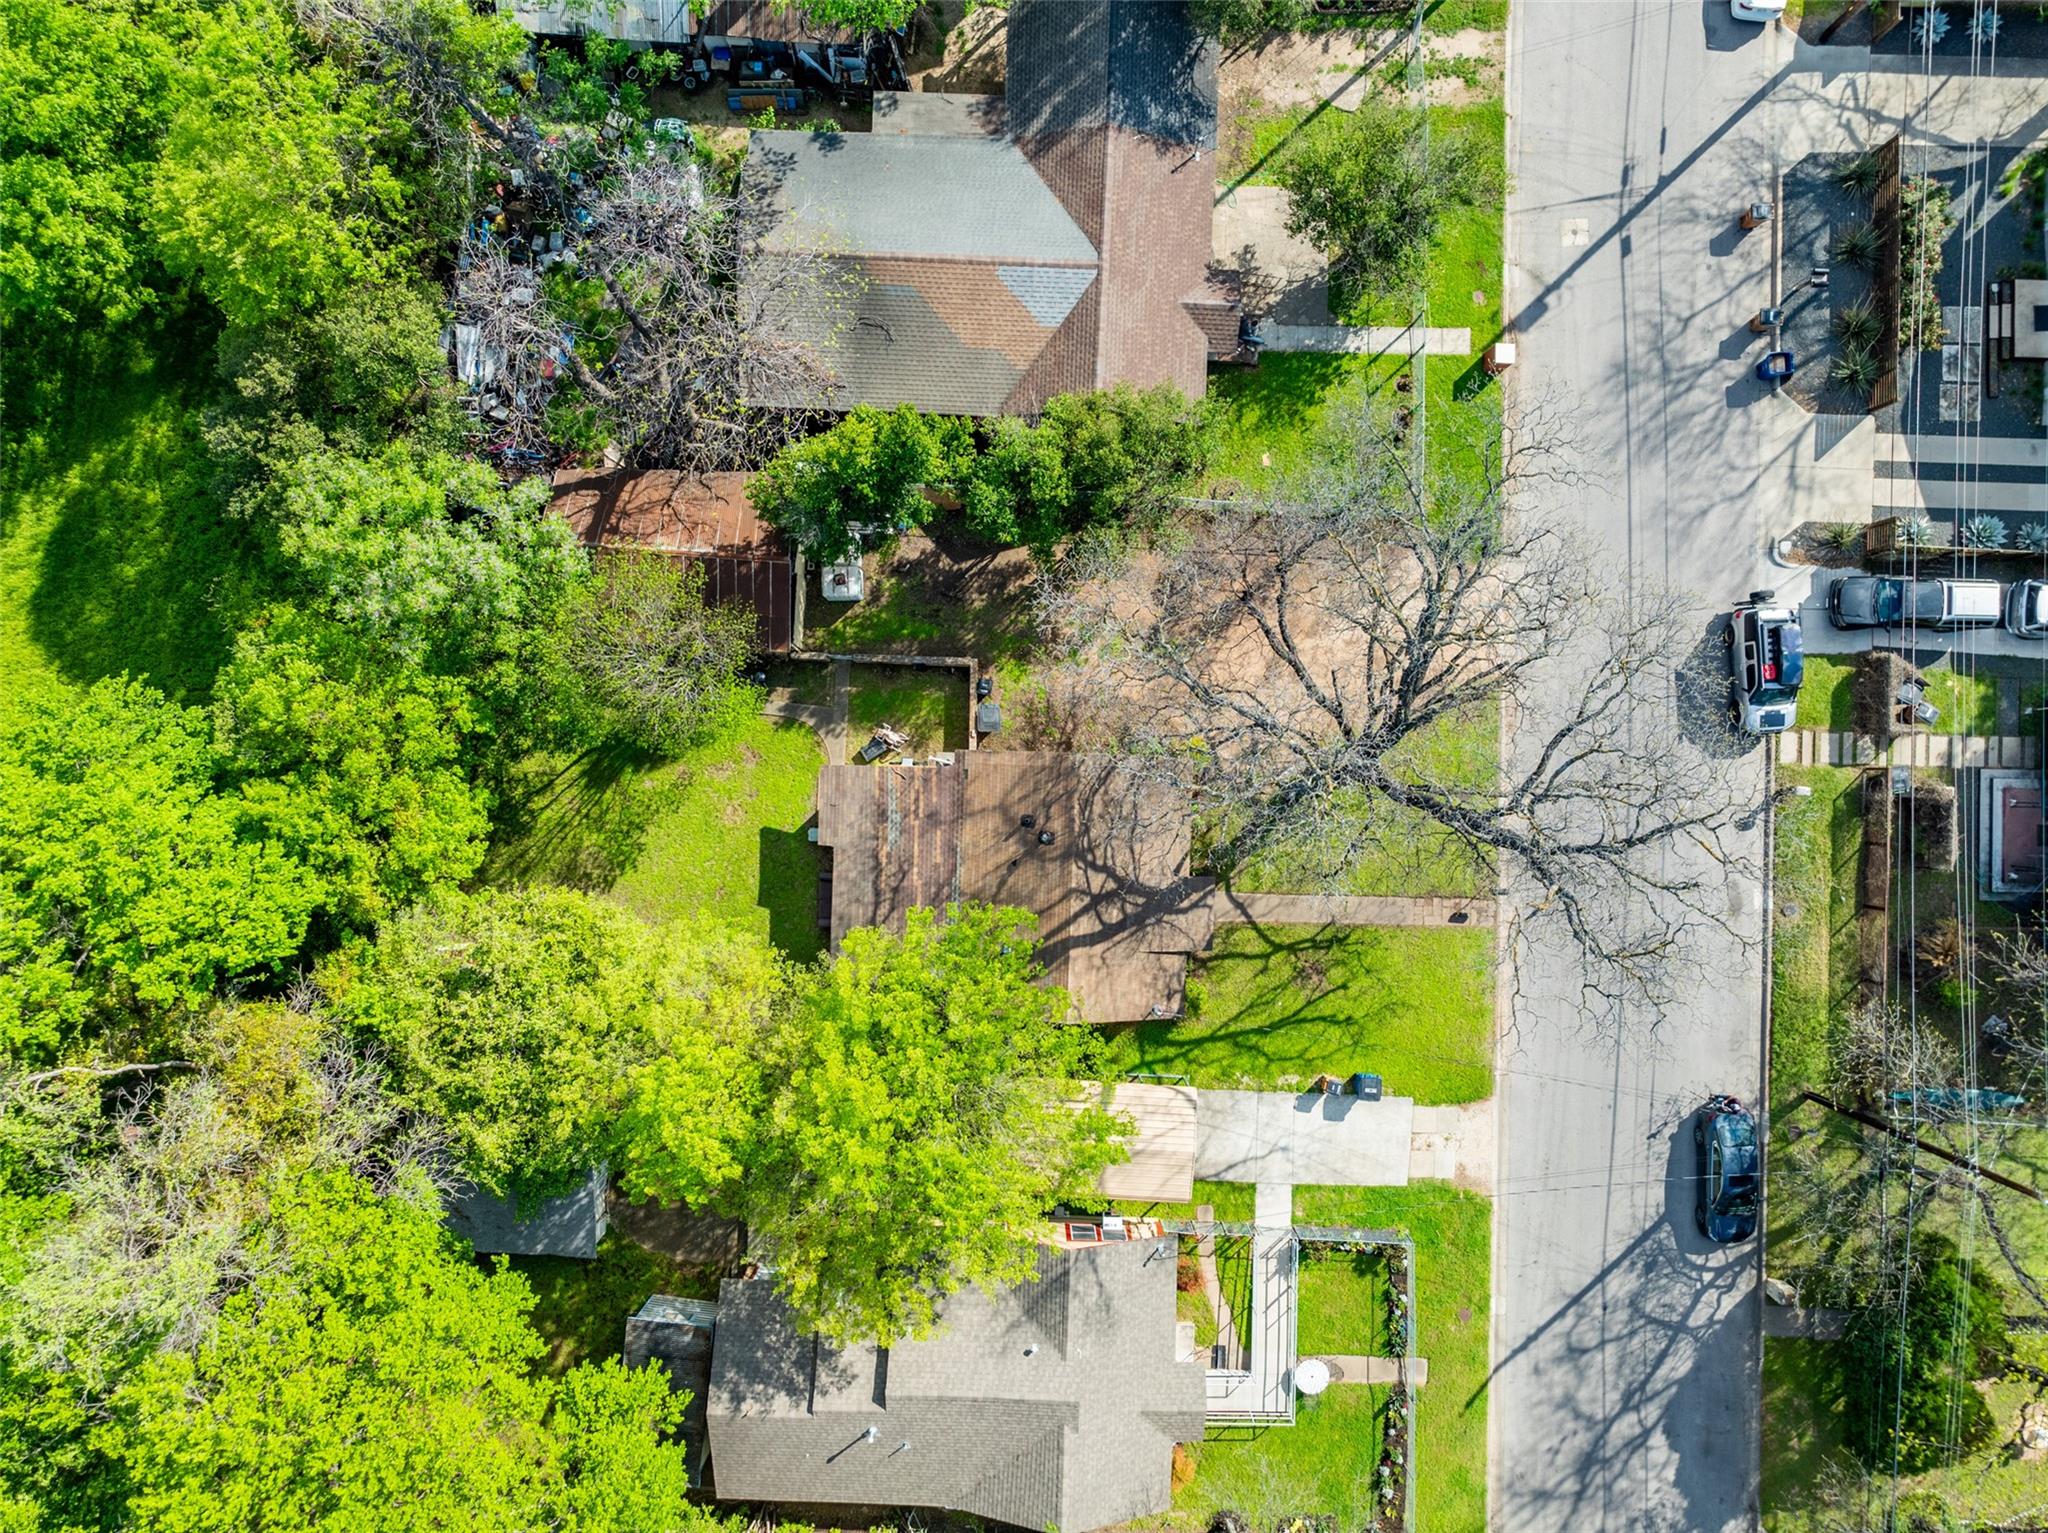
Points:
x=1056, y=1403
x=1000, y=252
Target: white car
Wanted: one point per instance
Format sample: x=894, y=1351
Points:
x=1765, y=11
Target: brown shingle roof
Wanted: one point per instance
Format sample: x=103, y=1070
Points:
x=1118, y=914
x=705, y=518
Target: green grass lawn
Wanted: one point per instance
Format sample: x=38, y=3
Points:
x=1968, y=704
x=720, y=830
x=114, y=553
x=928, y=706
x=1464, y=273
x=1825, y=699
x=581, y=1307
x=1813, y=954
x=1453, y=1234
x=1322, y=1464
x=1280, y=1005
x=1409, y=854
x=1342, y=1304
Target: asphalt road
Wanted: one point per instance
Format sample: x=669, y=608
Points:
x=1627, y=1349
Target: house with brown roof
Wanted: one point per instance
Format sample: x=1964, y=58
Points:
x=704, y=518
x=1000, y=254
x=1095, y=849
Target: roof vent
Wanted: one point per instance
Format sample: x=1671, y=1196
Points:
x=1032, y=1350
x=1029, y=822
x=1045, y=838
x=870, y=1434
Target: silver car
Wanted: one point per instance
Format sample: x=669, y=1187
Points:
x=2026, y=609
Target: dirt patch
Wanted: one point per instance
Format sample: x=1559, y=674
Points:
x=964, y=52
x=1293, y=69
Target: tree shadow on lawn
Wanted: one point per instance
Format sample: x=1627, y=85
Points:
x=789, y=892
x=1286, y=1008
x=580, y=821
x=140, y=571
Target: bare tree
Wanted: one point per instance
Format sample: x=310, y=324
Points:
x=693, y=363
x=660, y=664
x=1873, y=1053
x=1298, y=658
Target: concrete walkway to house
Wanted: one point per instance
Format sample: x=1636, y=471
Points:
x=1351, y=910
x=1453, y=1144
x=1347, y=1369
x=1841, y=747
x=1266, y=1381
x=1307, y=1140
x=828, y=722
x=1369, y=340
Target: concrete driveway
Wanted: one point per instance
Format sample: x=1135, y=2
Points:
x=1304, y=1141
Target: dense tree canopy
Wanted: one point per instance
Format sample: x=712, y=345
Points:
x=923, y=1119
x=866, y=473
x=126, y=874
x=380, y=1382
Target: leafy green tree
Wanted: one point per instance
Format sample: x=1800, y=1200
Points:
x=865, y=472
x=526, y=1021
x=348, y=377
x=428, y=557
x=923, y=1119
x=692, y=1107
x=1096, y=459
x=1908, y=1377
x=125, y=875
x=356, y=767
x=85, y=93
x=276, y=190
x=1235, y=23
x=854, y=14
x=1019, y=490
x=650, y=659
x=381, y=1382
x=1373, y=194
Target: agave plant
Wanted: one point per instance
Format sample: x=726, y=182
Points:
x=1840, y=536
x=1858, y=326
x=1914, y=532
x=1859, y=173
x=1931, y=27
x=1854, y=367
x=2033, y=537
x=1986, y=531
x=1985, y=24
x=1858, y=244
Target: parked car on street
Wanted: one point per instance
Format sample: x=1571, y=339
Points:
x=1729, y=1166
x=2026, y=609
x=1766, y=663
x=1890, y=601
x=1756, y=10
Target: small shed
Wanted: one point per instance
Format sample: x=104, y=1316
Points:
x=569, y=1225
x=1162, y=1144
x=675, y=1335
x=705, y=518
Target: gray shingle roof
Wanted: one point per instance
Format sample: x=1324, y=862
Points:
x=958, y=196
x=570, y=1225
x=1056, y=1402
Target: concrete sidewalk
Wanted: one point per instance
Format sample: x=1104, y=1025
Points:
x=1306, y=1140
x=1350, y=910
x=1369, y=340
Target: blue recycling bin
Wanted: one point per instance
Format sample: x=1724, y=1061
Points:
x=1776, y=366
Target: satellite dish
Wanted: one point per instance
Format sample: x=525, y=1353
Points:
x=1312, y=1375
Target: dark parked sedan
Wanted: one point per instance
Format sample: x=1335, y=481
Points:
x=1730, y=1171
x=1885, y=601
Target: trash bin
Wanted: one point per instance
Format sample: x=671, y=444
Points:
x=1775, y=367
x=1365, y=1087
